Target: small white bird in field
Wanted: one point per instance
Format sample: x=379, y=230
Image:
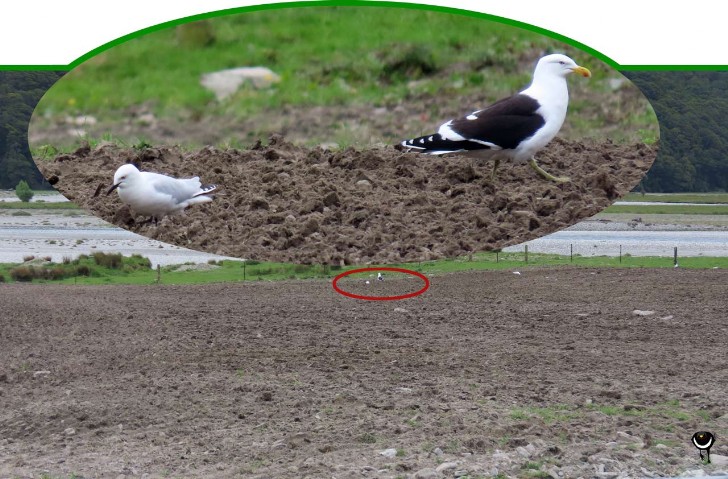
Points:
x=514, y=128
x=157, y=195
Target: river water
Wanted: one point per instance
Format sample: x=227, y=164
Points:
x=60, y=234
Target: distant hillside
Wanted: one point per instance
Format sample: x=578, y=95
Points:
x=19, y=93
x=692, y=108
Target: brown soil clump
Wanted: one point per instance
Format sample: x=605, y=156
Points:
x=282, y=202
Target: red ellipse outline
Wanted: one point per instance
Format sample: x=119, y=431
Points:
x=381, y=298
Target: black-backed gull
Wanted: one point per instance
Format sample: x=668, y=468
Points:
x=513, y=128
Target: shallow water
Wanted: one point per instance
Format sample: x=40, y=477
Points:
x=73, y=233
x=635, y=243
x=58, y=235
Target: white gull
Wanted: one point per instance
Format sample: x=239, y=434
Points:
x=157, y=195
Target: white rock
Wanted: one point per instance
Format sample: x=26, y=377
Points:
x=146, y=119
x=694, y=473
x=437, y=451
x=522, y=451
x=224, y=83
x=83, y=120
x=446, y=466
x=427, y=474
x=718, y=460
x=501, y=456
x=364, y=184
x=639, y=312
x=69, y=431
x=391, y=452
x=40, y=373
x=667, y=318
x=400, y=310
x=615, y=83
x=624, y=437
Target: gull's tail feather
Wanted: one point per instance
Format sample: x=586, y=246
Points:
x=197, y=200
x=205, y=190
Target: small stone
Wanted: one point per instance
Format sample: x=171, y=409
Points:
x=69, y=431
x=694, y=473
x=400, y=310
x=531, y=448
x=364, y=184
x=446, y=466
x=41, y=373
x=224, y=83
x=461, y=473
x=426, y=474
x=500, y=456
x=391, y=452
x=718, y=460
x=624, y=437
x=437, y=451
x=554, y=473
x=660, y=446
x=639, y=312
x=522, y=451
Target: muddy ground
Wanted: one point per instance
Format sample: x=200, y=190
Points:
x=546, y=373
x=290, y=203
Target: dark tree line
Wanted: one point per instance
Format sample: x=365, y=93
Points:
x=20, y=91
x=692, y=109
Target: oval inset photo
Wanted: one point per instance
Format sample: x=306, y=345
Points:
x=344, y=135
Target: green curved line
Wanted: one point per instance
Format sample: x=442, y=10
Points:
x=367, y=3
x=348, y=3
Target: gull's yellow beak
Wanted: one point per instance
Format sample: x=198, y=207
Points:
x=582, y=71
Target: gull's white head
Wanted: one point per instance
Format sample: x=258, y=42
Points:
x=126, y=175
x=559, y=65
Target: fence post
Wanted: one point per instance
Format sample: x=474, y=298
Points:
x=244, y=263
x=159, y=273
x=496, y=256
x=571, y=252
x=674, y=257
x=620, y=254
x=526, y=251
